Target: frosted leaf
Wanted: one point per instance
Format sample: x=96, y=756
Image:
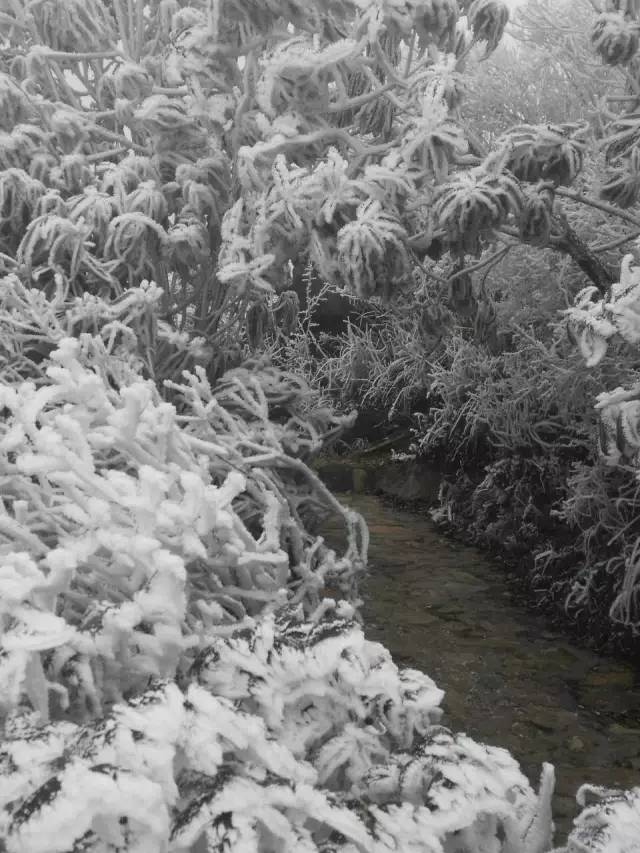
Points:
x=377, y=16
x=13, y=668
x=340, y=666
x=83, y=798
x=615, y=397
x=299, y=60
x=19, y=577
x=334, y=186
x=365, y=243
x=431, y=139
x=36, y=630
x=593, y=346
x=386, y=182
x=629, y=417
x=160, y=112
x=29, y=753
x=345, y=758
x=629, y=277
x=469, y=788
x=598, y=320
x=625, y=313
x=248, y=272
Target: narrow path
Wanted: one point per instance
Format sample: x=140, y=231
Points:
x=445, y=609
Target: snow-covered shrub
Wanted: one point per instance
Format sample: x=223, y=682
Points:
x=593, y=574
x=131, y=528
x=605, y=503
x=288, y=735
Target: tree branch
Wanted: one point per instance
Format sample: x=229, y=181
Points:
x=599, y=205
x=361, y=100
x=590, y=264
x=483, y=262
x=613, y=244
x=61, y=55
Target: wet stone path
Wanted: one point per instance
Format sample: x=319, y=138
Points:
x=445, y=609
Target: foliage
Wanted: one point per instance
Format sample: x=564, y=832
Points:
x=603, y=505
x=475, y=204
x=525, y=398
x=526, y=417
x=613, y=39
x=507, y=509
x=382, y=363
x=593, y=573
x=559, y=482
x=593, y=321
x=549, y=153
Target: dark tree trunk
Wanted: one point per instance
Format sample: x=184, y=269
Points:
x=590, y=264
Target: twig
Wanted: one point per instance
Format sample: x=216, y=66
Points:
x=491, y=260
x=432, y=274
x=412, y=47
x=117, y=137
x=60, y=55
x=613, y=244
x=361, y=100
x=382, y=445
x=105, y=155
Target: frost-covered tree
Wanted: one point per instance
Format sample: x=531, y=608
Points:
x=211, y=147
x=206, y=146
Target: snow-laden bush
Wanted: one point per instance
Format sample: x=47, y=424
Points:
x=131, y=528
x=605, y=502
x=291, y=735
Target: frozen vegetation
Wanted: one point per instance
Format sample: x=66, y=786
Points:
x=177, y=182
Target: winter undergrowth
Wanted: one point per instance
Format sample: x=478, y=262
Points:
x=172, y=677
